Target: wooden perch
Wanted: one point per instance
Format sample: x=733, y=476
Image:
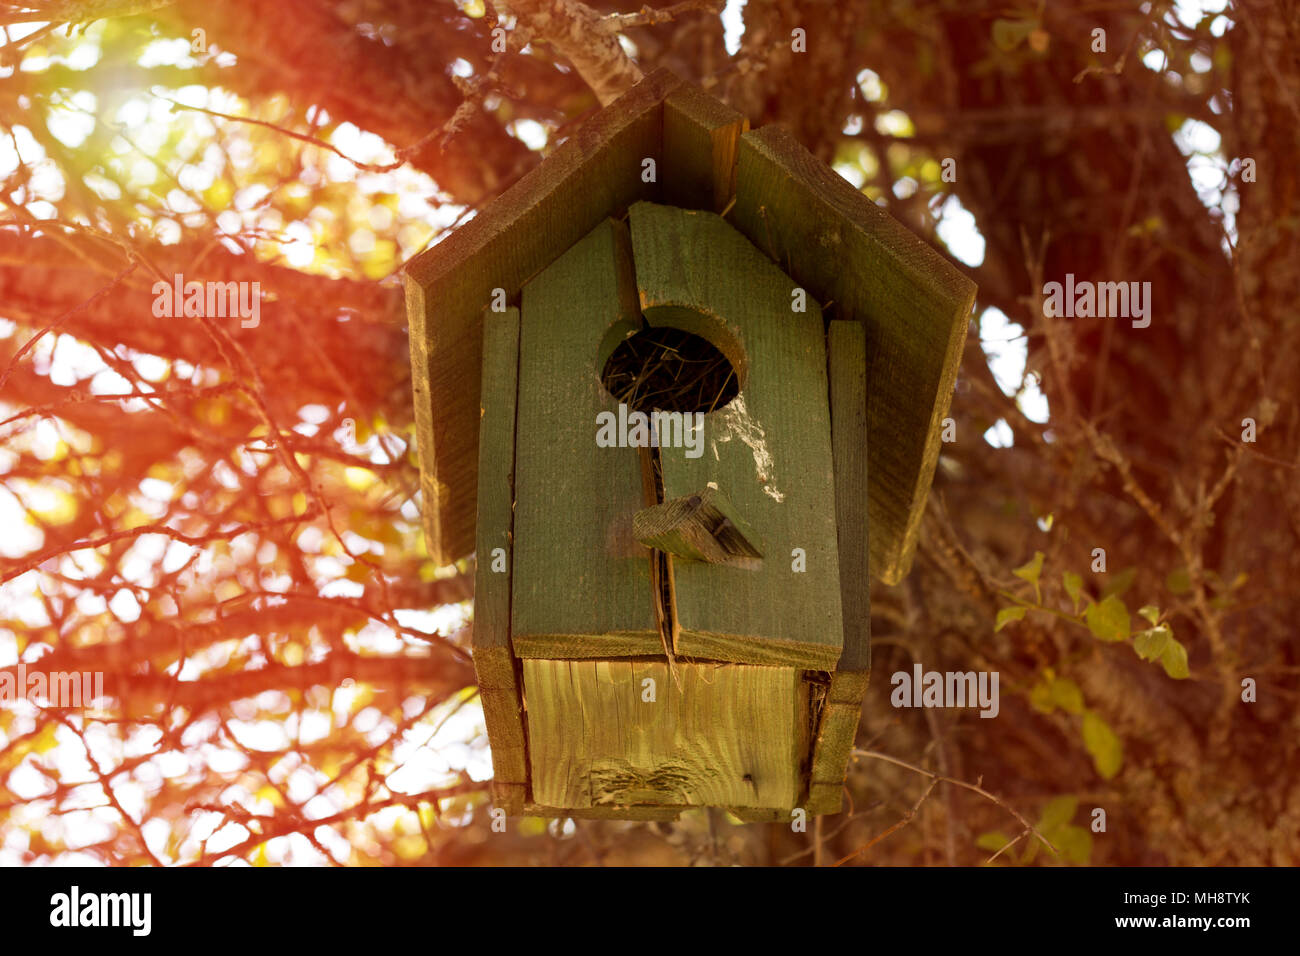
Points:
x=700, y=527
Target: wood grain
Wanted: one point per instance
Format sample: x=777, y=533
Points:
x=704, y=526
x=494, y=664
x=847, y=364
x=596, y=173
x=720, y=735
x=842, y=709
x=913, y=304
x=581, y=582
x=768, y=451
x=701, y=135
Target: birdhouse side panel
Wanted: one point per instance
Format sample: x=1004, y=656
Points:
x=494, y=664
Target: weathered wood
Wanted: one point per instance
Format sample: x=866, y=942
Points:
x=510, y=797
x=494, y=664
x=700, y=527
x=701, y=135
x=842, y=709
x=581, y=581
x=714, y=735
x=914, y=305
x=762, y=814
x=847, y=363
x=769, y=450
x=825, y=798
x=607, y=812
x=835, y=733
x=596, y=173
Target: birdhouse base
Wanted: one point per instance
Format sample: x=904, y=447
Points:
x=650, y=733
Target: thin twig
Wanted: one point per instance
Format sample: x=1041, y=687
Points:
x=973, y=787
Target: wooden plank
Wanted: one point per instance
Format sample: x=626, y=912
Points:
x=825, y=798
x=594, y=174
x=700, y=527
x=842, y=711
x=581, y=580
x=761, y=815
x=768, y=451
x=493, y=662
x=510, y=797
x=701, y=135
x=914, y=305
x=609, y=812
x=846, y=353
x=714, y=735
x=835, y=735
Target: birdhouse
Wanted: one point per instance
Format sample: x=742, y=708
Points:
x=679, y=389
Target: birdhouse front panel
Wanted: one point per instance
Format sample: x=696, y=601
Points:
x=584, y=586
x=692, y=350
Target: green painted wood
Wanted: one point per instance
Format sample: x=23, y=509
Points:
x=835, y=735
x=704, y=526
x=581, y=581
x=842, y=710
x=914, y=306
x=493, y=662
x=701, y=135
x=825, y=798
x=596, y=173
x=768, y=451
x=847, y=365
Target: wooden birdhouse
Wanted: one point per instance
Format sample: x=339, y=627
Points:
x=679, y=388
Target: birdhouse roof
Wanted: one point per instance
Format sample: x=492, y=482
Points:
x=844, y=249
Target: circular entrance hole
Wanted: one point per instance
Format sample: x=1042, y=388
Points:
x=671, y=370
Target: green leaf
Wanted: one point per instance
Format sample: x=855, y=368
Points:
x=1101, y=743
x=1073, y=586
x=993, y=841
x=1150, y=644
x=1008, y=614
x=1041, y=699
x=1031, y=571
x=1108, y=620
x=1120, y=582
x=1058, y=810
x=1075, y=844
x=1151, y=613
x=1174, y=659
x=1065, y=694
